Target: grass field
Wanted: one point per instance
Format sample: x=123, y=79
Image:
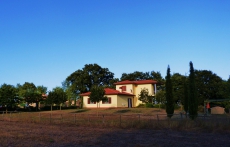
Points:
x=138, y=127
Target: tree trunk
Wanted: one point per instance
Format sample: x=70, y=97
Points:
x=51, y=107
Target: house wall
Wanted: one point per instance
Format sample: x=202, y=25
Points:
x=138, y=89
x=116, y=101
x=122, y=100
x=100, y=105
x=129, y=88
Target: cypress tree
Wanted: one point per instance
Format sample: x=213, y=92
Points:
x=169, y=95
x=185, y=96
x=192, y=98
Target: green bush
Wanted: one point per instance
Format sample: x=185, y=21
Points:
x=161, y=106
x=141, y=106
x=149, y=105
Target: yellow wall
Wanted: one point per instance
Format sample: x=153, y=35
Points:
x=113, y=102
x=138, y=89
x=122, y=100
x=129, y=88
x=116, y=101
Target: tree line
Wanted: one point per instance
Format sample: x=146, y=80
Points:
x=208, y=86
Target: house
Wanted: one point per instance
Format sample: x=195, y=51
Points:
x=135, y=87
x=125, y=94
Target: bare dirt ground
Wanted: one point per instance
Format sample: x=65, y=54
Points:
x=35, y=135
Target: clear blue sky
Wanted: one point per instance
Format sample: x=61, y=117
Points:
x=44, y=41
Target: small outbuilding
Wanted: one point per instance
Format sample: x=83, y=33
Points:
x=217, y=110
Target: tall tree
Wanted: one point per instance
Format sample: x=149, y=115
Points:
x=185, y=101
x=8, y=96
x=71, y=95
x=208, y=85
x=92, y=74
x=30, y=93
x=136, y=75
x=178, y=87
x=169, y=94
x=97, y=94
x=160, y=97
x=193, y=101
x=56, y=96
x=144, y=96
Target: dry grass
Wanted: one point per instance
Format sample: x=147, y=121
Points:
x=112, y=127
x=62, y=135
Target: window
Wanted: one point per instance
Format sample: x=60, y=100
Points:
x=108, y=101
x=123, y=88
x=90, y=102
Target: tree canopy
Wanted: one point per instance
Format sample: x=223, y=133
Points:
x=209, y=85
x=169, y=94
x=192, y=97
x=97, y=94
x=92, y=74
x=8, y=96
x=144, y=96
x=56, y=96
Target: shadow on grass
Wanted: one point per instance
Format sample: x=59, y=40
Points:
x=122, y=111
x=80, y=111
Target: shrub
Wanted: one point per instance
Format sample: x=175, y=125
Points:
x=141, y=106
x=161, y=106
x=148, y=105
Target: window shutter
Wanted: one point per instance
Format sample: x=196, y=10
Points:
x=88, y=101
x=109, y=99
x=123, y=88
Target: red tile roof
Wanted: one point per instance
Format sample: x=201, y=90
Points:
x=109, y=91
x=136, y=82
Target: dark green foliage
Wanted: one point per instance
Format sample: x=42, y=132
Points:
x=185, y=96
x=209, y=86
x=56, y=96
x=149, y=105
x=178, y=87
x=8, y=96
x=144, y=96
x=71, y=96
x=30, y=93
x=97, y=94
x=192, y=101
x=161, y=97
x=169, y=95
x=137, y=75
x=81, y=81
